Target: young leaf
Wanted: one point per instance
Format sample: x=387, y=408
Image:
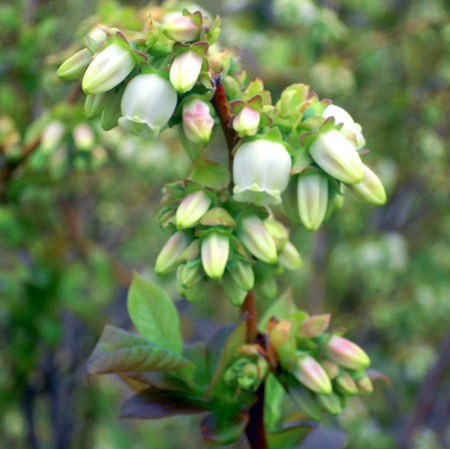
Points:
x=119, y=351
x=224, y=426
x=305, y=401
x=274, y=393
x=210, y=174
x=152, y=312
x=280, y=308
x=157, y=404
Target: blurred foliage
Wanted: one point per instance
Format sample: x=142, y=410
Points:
x=72, y=217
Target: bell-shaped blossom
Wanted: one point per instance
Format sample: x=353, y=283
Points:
x=182, y=29
x=197, y=121
x=370, y=189
x=310, y=373
x=334, y=154
x=342, y=116
x=185, y=70
x=215, y=250
x=148, y=102
x=74, y=67
x=167, y=259
x=312, y=197
x=261, y=171
x=246, y=122
x=257, y=239
x=346, y=353
x=109, y=68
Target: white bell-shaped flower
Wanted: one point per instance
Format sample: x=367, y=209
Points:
x=261, y=171
x=147, y=105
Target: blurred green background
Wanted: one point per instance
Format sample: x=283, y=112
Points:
x=76, y=219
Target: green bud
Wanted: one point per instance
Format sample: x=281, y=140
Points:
x=346, y=353
x=278, y=232
x=246, y=122
x=331, y=368
x=364, y=385
x=267, y=288
x=168, y=257
x=242, y=274
x=74, y=67
x=182, y=29
x=257, y=239
x=191, y=252
x=345, y=384
x=191, y=274
x=310, y=373
x=314, y=326
x=312, y=196
x=215, y=250
x=290, y=258
x=192, y=209
x=95, y=104
x=233, y=292
x=330, y=402
x=370, y=189
x=185, y=70
x=337, y=156
x=109, y=68
x=110, y=115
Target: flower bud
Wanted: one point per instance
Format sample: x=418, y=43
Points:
x=290, y=258
x=331, y=368
x=246, y=122
x=96, y=35
x=312, y=197
x=233, y=292
x=279, y=334
x=370, y=189
x=215, y=251
x=111, y=113
x=278, y=232
x=242, y=274
x=342, y=116
x=51, y=136
x=346, y=353
x=191, y=252
x=337, y=156
x=345, y=384
x=74, y=67
x=257, y=239
x=310, y=373
x=330, y=402
x=168, y=257
x=314, y=326
x=83, y=137
x=185, y=70
x=109, y=68
x=364, y=385
x=147, y=105
x=182, y=29
x=95, y=104
x=261, y=171
x=192, y=209
x=191, y=274
x=197, y=121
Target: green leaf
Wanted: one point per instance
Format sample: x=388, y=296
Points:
x=210, y=174
x=153, y=313
x=274, y=393
x=290, y=436
x=305, y=401
x=119, y=351
x=224, y=426
x=196, y=375
x=280, y=308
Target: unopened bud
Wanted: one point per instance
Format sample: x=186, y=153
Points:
x=147, y=105
x=233, y=292
x=74, y=67
x=242, y=273
x=290, y=258
x=191, y=274
x=310, y=373
x=96, y=35
x=278, y=232
x=364, y=385
x=197, y=121
x=111, y=113
x=331, y=368
x=337, y=156
x=51, y=136
x=246, y=122
x=182, y=29
x=312, y=196
x=261, y=171
x=185, y=70
x=330, y=402
x=192, y=209
x=370, y=189
x=345, y=384
x=168, y=257
x=257, y=239
x=191, y=252
x=83, y=137
x=109, y=68
x=215, y=250
x=346, y=353
x=314, y=325
x=279, y=334
x=95, y=104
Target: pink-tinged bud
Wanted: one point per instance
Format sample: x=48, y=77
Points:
x=290, y=258
x=257, y=239
x=345, y=384
x=330, y=402
x=346, y=353
x=192, y=209
x=74, y=67
x=364, y=385
x=279, y=334
x=185, y=70
x=147, y=104
x=191, y=252
x=337, y=156
x=331, y=368
x=314, y=326
x=83, y=137
x=109, y=68
x=312, y=197
x=168, y=257
x=370, y=189
x=182, y=29
x=215, y=250
x=261, y=171
x=246, y=122
x=51, y=136
x=310, y=373
x=197, y=121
